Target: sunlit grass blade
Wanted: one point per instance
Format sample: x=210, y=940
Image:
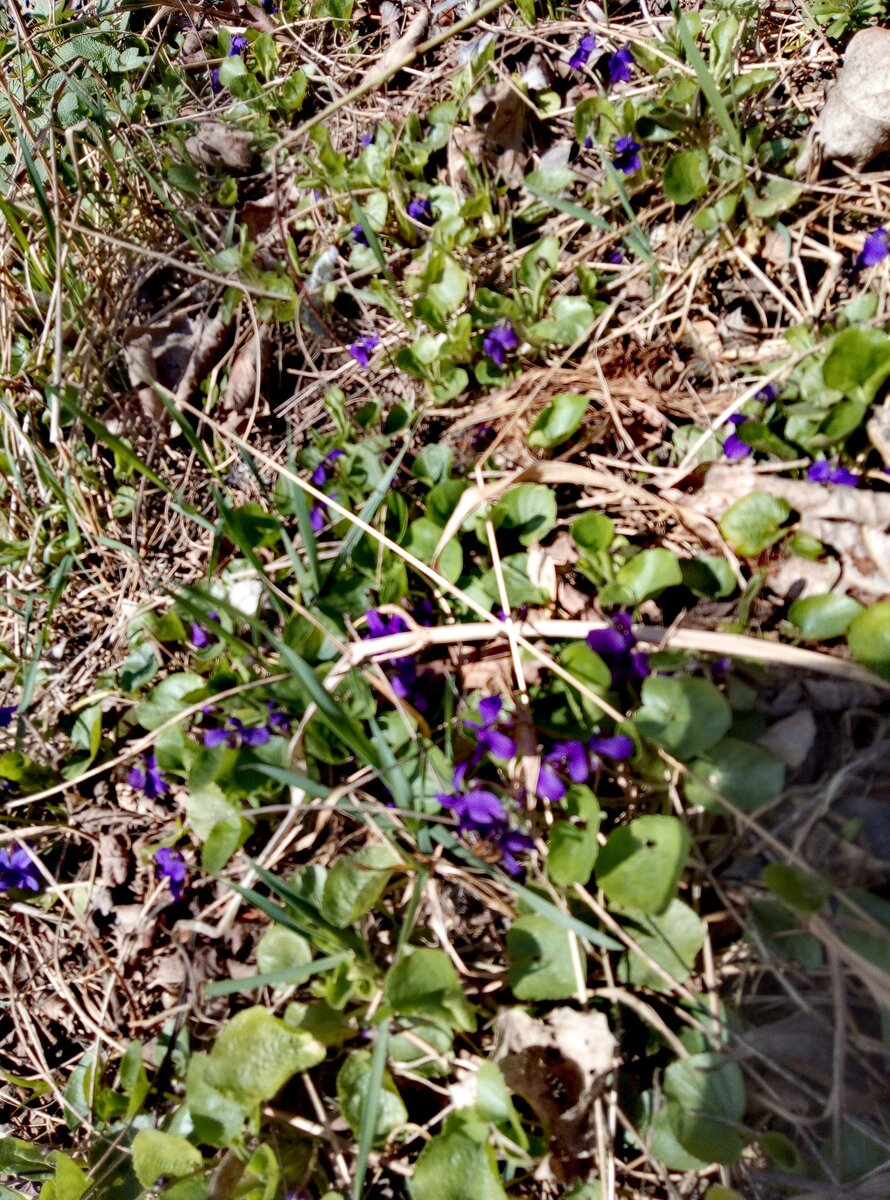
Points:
x=285, y=977
x=371, y=1107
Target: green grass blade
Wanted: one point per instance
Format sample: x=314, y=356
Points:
x=292, y=779
x=371, y=1107
x=707, y=83
x=282, y=978
x=127, y=456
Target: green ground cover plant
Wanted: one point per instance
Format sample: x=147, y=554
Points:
x=445, y=615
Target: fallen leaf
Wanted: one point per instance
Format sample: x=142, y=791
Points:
x=559, y=1064
x=216, y=143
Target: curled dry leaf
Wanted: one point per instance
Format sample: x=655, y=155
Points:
x=217, y=144
x=241, y=388
x=854, y=125
x=559, y=1064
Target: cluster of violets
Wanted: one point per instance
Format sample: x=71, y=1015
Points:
x=18, y=871
x=234, y=733
x=616, y=64
x=319, y=477
x=821, y=471
x=406, y=681
x=482, y=813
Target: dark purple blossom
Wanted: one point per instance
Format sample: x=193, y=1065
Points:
x=362, y=349
x=768, y=394
x=359, y=236
x=615, y=647
x=215, y=85
x=199, y=636
x=618, y=66
x=477, y=809
x=319, y=478
x=511, y=842
x=170, y=865
x=483, y=436
x=420, y=209
x=270, y=8
x=875, y=249
x=235, y=733
x=582, y=52
x=627, y=155
x=823, y=472
x=148, y=778
x=367, y=138
x=490, y=739
x=238, y=45
x=616, y=258
x=406, y=681
x=498, y=342
x=733, y=446
x=18, y=870
x=7, y=712
x=575, y=760
x=277, y=720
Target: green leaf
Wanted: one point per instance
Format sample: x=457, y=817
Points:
x=537, y=267
x=869, y=638
x=540, y=960
x=442, y=288
x=745, y=774
x=781, y=1152
x=433, y=464
x=459, y=1163
x=799, y=889
x=685, y=716
x=255, y=1055
x=858, y=362
x=559, y=420
x=171, y=696
x=686, y=176
x=672, y=939
x=572, y=843
x=352, y=1090
x=68, y=1183
x=709, y=577
x=647, y=574
x=355, y=884
x=217, y=1117
x=529, y=509
x=593, y=533
x=571, y=321
x=821, y=617
x=157, y=1154
x=641, y=863
x=422, y=539
x=709, y=1094
x=423, y=983
x=754, y=522
x=280, y=949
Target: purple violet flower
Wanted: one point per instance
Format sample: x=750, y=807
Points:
x=420, y=209
x=359, y=236
x=148, y=778
x=618, y=66
x=768, y=394
x=576, y=760
x=511, y=842
x=277, y=718
x=270, y=8
x=407, y=682
x=170, y=865
x=235, y=733
x=499, y=341
x=367, y=138
x=733, y=446
x=17, y=870
x=380, y=626
x=215, y=85
x=616, y=258
x=199, y=637
x=362, y=349
x=627, y=155
x=490, y=739
x=823, y=472
x=238, y=45
x=319, y=478
x=875, y=249
x=582, y=52
x=7, y=712
x=477, y=809
x=615, y=647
